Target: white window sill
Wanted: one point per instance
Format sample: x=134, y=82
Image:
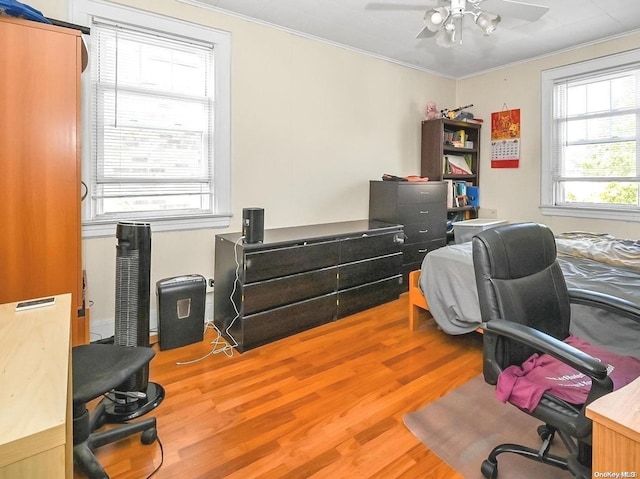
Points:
x=592, y=213
x=105, y=229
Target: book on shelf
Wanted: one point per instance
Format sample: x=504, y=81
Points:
x=458, y=194
x=456, y=165
x=449, y=194
x=448, y=137
x=459, y=139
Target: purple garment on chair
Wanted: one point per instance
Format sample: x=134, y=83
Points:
x=523, y=386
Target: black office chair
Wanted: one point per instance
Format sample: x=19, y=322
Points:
x=97, y=370
x=525, y=308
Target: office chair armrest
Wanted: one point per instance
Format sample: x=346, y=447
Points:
x=540, y=341
x=605, y=301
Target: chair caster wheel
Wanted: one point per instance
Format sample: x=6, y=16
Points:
x=544, y=432
x=489, y=469
x=149, y=436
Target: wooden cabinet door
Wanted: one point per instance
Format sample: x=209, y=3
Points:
x=40, y=249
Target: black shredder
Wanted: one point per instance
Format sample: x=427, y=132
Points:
x=181, y=303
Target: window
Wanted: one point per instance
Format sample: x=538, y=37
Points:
x=590, y=137
x=156, y=129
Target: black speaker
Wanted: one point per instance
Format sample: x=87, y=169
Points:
x=253, y=225
x=181, y=303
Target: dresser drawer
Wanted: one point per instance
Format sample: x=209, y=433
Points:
x=370, y=246
x=369, y=295
x=289, y=289
x=421, y=232
x=273, y=263
x=262, y=328
x=422, y=213
x=367, y=271
x=415, y=252
x=422, y=193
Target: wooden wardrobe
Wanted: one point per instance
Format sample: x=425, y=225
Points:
x=40, y=193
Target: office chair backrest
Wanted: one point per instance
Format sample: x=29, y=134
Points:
x=518, y=280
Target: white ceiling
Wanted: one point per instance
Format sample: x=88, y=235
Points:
x=391, y=33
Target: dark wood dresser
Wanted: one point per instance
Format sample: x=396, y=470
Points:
x=302, y=277
x=421, y=207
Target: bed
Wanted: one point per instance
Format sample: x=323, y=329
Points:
x=445, y=286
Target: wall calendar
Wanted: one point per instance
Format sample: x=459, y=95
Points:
x=505, y=139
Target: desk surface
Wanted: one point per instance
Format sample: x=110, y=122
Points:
x=34, y=376
x=619, y=410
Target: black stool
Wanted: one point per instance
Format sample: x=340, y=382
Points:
x=97, y=370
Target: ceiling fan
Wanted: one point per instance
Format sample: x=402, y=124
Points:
x=444, y=22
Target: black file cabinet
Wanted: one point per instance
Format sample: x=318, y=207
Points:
x=421, y=207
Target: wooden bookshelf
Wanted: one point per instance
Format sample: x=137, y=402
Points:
x=440, y=139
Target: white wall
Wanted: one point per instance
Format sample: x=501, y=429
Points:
x=312, y=123
x=515, y=193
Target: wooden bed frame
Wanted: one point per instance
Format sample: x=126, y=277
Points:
x=418, y=302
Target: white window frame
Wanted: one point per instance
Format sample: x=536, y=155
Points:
x=81, y=13
x=548, y=80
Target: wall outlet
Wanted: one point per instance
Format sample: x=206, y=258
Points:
x=488, y=213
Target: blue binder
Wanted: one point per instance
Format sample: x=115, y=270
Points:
x=473, y=196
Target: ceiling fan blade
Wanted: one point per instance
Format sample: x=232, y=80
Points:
x=426, y=33
x=514, y=8
x=394, y=6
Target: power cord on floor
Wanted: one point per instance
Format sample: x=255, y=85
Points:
x=220, y=345
x=161, y=457
x=106, y=395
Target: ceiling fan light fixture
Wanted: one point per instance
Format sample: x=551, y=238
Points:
x=435, y=17
x=447, y=37
x=487, y=22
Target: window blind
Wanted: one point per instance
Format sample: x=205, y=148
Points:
x=595, y=134
x=152, y=123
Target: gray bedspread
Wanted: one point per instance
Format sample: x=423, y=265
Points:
x=448, y=281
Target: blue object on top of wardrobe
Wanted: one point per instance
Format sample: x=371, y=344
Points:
x=12, y=8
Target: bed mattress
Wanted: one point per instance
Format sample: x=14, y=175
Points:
x=447, y=279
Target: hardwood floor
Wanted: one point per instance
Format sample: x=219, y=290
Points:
x=326, y=403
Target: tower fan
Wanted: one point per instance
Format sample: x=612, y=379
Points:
x=136, y=396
